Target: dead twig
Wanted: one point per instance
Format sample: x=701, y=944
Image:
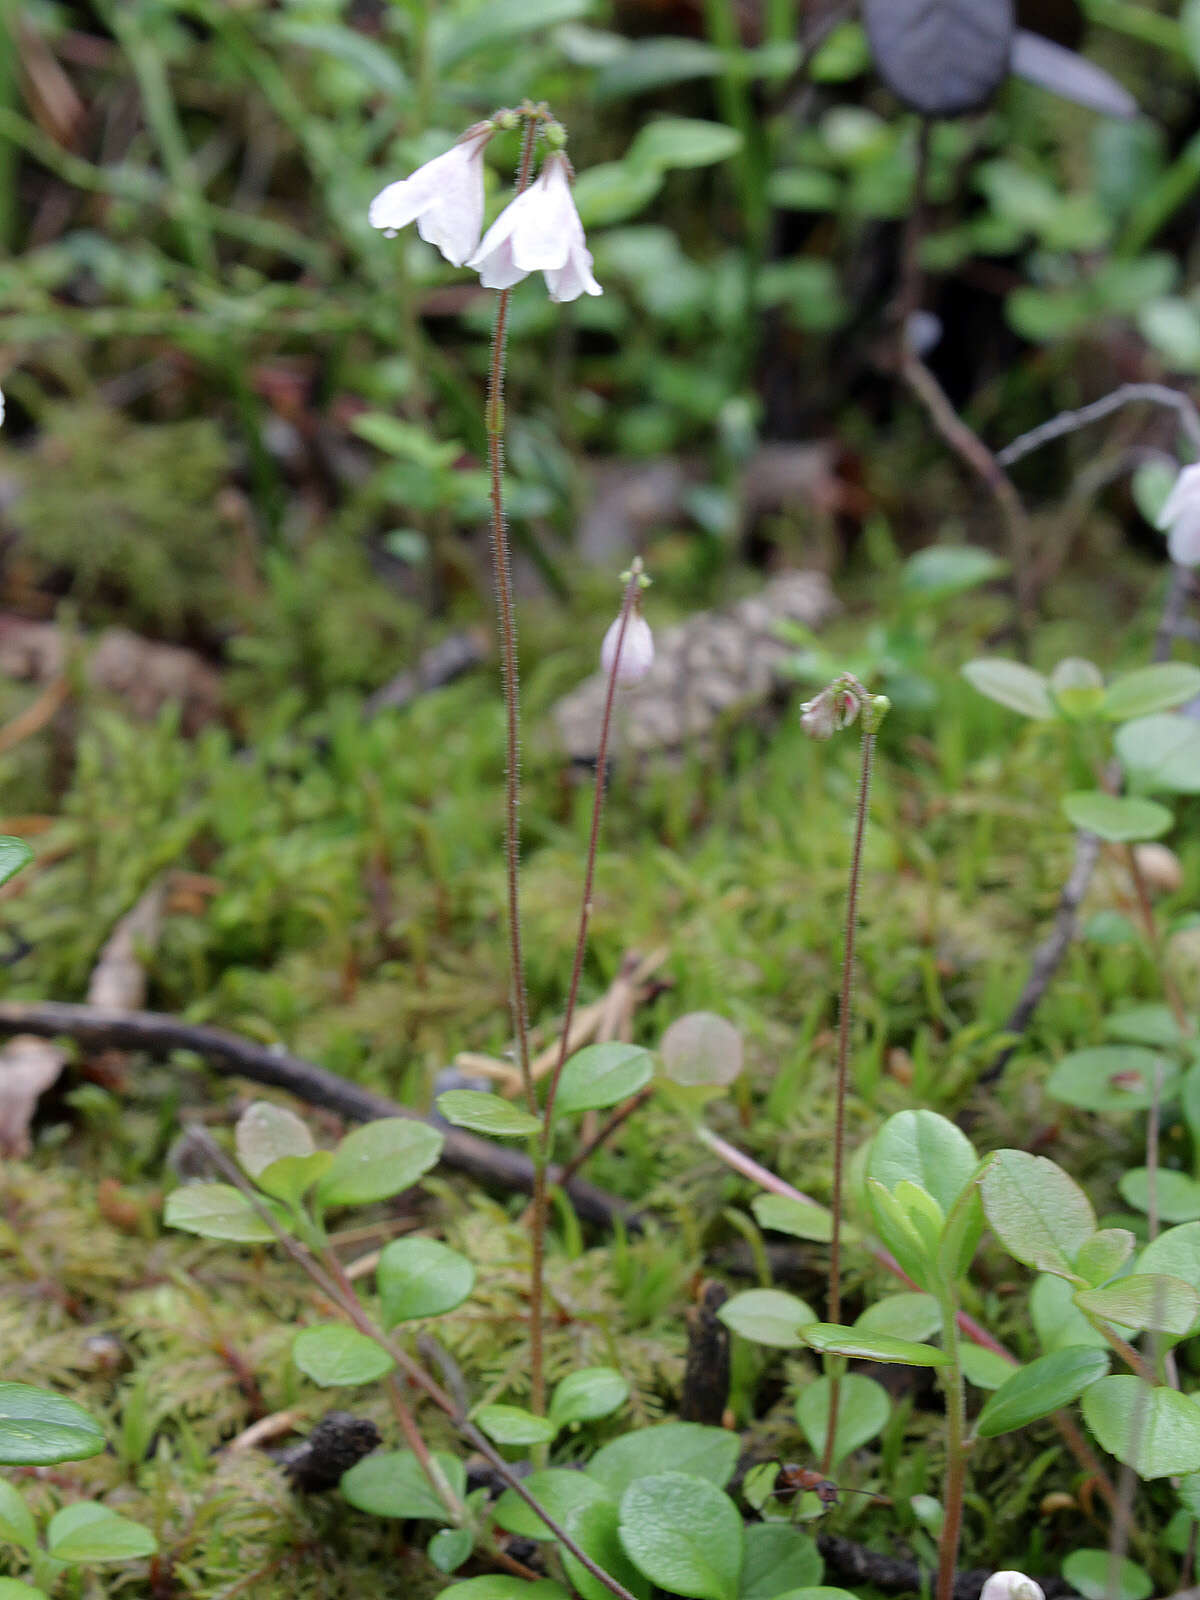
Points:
x=1159, y=394
x=159, y=1035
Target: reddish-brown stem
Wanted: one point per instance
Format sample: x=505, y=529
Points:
x=845, y=1009
x=537, y=1271
x=508, y=654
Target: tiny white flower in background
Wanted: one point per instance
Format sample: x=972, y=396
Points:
x=539, y=231
x=1180, y=518
x=637, y=651
x=1011, y=1586
x=444, y=198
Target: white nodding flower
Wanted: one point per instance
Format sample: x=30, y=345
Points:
x=1180, y=518
x=637, y=651
x=1011, y=1586
x=1, y=405
x=444, y=198
x=539, y=231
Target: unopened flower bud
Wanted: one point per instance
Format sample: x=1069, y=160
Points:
x=505, y=120
x=834, y=708
x=637, y=651
x=555, y=135
x=1011, y=1586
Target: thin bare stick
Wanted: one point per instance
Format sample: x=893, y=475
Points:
x=1158, y=394
x=357, y=1315
x=970, y=448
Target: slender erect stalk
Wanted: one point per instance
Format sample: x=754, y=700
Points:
x=956, y=1452
x=508, y=651
x=845, y=1018
x=541, y=1153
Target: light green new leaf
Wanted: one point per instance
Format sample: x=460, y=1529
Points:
x=1011, y=684
x=421, y=1278
x=684, y=1534
x=486, y=1113
x=88, y=1532
x=588, y=1394
x=925, y=1149
x=1045, y=1385
x=39, y=1428
x=768, y=1316
x=1039, y=1214
x=335, y=1356
x=833, y=1340
x=216, y=1211
x=603, y=1075
x=379, y=1160
x=1116, y=818
x=1154, y=1430
x=1148, y=689
x=513, y=1425
x=1144, y=1300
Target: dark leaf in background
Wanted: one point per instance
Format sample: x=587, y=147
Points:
x=942, y=57
x=1047, y=64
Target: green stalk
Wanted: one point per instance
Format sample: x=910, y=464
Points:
x=956, y=1449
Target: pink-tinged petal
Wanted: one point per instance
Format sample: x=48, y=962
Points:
x=1185, y=492
x=496, y=268
x=545, y=232
x=637, y=651
x=576, y=278
x=397, y=205
x=1183, y=541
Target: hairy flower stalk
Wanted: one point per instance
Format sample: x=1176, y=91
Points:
x=837, y=707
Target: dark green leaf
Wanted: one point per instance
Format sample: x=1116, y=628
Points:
x=690, y=1447
x=1045, y=1385
x=778, y=1557
x=14, y=854
x=833, y=1340
x=684, y=1534
x=392, y=1484
x=39, y=1428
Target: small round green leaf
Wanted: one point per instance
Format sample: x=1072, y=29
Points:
x=702, y=1050
x=1116, y=818
x=683, y=142
x=1152, y=1025
x=942, y=570
x=1177, y=1197
x=1161, y=752
x=768, y=1316
x=421, y=1278
x=1177, y=1251
x=513, y=1425
x=802, y=1219
x=14, y=854
x=1089, y=1572
x=216, y=1211
x=378, y=1160
x=585, y=1395
x=603, y=1075
x=1039, y=1214
x=1149, y=689
x=1057, y=1320
x=595, y=1529
x=925, y=1149
x=290, y=1178
x=690, y=1447
x=16, y=1520
x=88, y=1532
x=902, y=1316
x=11, y=1589
x=1045, y=1385
x=487, y=1113
x=831, y=1339
x=39, y=1428
x=983, y=1367
x=863, y=1408
x=392, y=1484
x=1144, y=1300
x=1154, y=1430
x=1011, y=684
x=1104, y=1254
x=449, y=1548
x=557, y=1491
x=336, y=1356
x=266, y=1133
x=778, y=1556
x=684, y=1534
x=1112, y=1077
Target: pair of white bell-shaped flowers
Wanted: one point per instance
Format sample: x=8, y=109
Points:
x=539, y=231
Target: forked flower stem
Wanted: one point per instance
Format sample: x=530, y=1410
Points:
x=845, y=1019
x=506, y=615
x=542, y=1147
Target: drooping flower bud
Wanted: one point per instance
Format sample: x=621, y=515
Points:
x=637, y=651
x=1180, y=518
x=444, y=198
x=1011, y=1586
x=834, y=708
